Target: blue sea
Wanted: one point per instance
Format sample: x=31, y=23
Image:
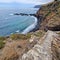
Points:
x=10, y=24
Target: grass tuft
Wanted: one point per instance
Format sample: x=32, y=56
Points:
x=2, y=38
x=19, y=36
x=2, y=44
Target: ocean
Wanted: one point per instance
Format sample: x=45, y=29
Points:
x=11, y=24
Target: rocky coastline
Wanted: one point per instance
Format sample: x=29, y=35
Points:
x=38, y=20
x=42, y=44
x=49, y=18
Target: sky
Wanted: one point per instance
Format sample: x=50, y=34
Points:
x=22, y=3
x=26, y=1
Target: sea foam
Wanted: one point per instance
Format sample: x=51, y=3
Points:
x=17, y=31
x=31, y=27
x=11, y=14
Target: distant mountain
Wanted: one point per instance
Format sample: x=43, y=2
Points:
x=37, y=6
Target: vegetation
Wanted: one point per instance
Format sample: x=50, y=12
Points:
x=2, y=43
x=58, y=33
x=20, y=36
x=2, y=38
x=28, y=35
x=39, y=33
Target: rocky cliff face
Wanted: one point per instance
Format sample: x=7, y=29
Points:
x=47, y=48
x=49, y=16
x=36, y=48
x=17, y=44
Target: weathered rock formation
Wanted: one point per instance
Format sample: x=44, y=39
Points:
x=42, y=50
x=56, y=49
x=36, y=48
x=49, y=16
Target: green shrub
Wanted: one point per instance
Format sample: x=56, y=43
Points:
x=19, y=36
x=58, y=33
x=28, y=35
x=39, y=33
x=2, y=38
x=2, y=44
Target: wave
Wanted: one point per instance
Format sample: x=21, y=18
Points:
x=11, y=14
x=31, y=27
x=17, y=31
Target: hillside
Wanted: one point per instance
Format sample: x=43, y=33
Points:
x=46, y=44
x=49, y=16
x=47, y=48
x=37, y=6
x=39, y=45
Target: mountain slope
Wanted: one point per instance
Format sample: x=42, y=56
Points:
x=39, y=45
x=50, y=16
x=37, y=6
x=42, y=50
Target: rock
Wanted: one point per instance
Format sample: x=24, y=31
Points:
x=42, y=50
x=45, y=48
x=56, y=49
x=33, y=39
x=49, y=16
x=13, y=49
x=9, y=54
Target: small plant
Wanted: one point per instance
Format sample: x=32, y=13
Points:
x=2, y=43
x=28, y=35
x=39, y=33
x=2, y=38
x=19, y=36
x=58, y=33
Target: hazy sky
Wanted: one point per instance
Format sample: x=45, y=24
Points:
x=26, y=1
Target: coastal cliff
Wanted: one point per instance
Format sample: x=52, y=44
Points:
x=38, y=45
x=49, y=16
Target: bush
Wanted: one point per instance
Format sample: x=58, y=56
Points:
x=58, y=33
x=1, y=44
x=28, y=35
x=39, y=33
x=19, y=36
x=2, y=38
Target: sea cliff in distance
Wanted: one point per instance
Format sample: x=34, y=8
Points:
x=37, y=6
x=43, y=44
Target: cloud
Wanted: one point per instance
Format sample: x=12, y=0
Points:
x=34, y=1
x=6, y=1
x=27, y=1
